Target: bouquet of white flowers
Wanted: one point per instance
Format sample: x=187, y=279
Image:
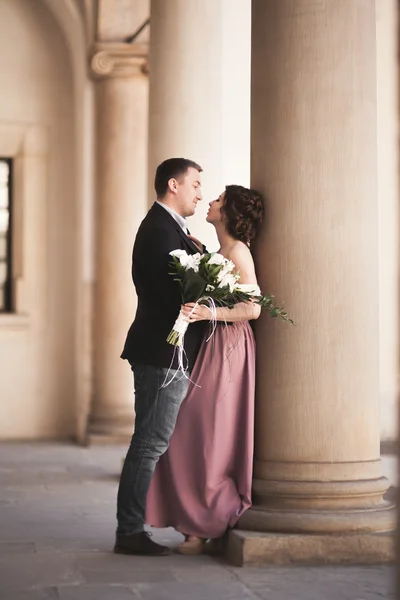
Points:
x=212, y=280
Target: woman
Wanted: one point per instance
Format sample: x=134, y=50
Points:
x=202, y=484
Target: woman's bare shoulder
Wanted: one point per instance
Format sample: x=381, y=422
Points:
x=241, y=256
x=239, y=251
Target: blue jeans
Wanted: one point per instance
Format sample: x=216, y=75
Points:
x=156, y=413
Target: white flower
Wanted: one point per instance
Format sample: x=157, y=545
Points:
x=216, y=259
x=187, y=261
x=228, y=280
x=228, y=267
x=193, y=262
x=181, y=255
x=251, y=289
x=178, y=253
x=210, y=288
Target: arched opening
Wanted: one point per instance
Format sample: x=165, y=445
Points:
x=37, y=337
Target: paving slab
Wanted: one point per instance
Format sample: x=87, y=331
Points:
x=96, y=592
x=336, y=582
x=57, y=522
x=17, y=548
x=197, y=591
x=31, y=594
x=198, y=573
x=37, y=570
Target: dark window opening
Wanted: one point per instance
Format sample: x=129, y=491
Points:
x=6, y=292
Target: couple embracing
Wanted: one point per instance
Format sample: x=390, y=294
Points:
x=189, y=464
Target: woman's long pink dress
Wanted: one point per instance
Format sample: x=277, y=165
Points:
x=202, y=484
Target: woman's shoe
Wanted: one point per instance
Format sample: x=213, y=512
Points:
x=192, y=545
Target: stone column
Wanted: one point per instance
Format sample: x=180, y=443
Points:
x=388, y=213
x=121, y=193
x=314, y=155
x=398, y=332
x=199, y=105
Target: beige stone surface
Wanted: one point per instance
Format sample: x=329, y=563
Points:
x=118, y=19
x=199, y=105
x=75, y=20
x=314, y=153
x=37, y=344
x=246, y=548
x=201, y=108
x=388, y=214
x=122, y=90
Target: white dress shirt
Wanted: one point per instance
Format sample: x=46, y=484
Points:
x=180, y=220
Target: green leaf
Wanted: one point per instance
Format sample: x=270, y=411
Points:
x=193, y=286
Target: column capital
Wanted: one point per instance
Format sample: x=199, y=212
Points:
x=118, y=59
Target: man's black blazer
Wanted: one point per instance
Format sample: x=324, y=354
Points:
x=159, y=296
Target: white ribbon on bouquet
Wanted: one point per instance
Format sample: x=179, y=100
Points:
x=180, y=327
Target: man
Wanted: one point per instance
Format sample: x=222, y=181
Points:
x=178, y=189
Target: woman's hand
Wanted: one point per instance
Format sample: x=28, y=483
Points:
x=197, y=243
x=196, y=312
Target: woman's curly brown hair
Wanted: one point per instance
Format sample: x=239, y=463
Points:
x=244, y=210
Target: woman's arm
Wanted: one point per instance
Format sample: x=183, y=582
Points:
x=243, y=311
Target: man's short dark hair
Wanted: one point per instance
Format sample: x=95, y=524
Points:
x=172, y=168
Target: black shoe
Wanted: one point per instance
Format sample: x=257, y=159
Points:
x=139, y=543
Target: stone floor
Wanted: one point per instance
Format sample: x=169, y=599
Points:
x=57, y=506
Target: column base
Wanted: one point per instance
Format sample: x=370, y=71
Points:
x=320, y=507
x=111, y=430
x=108, y=439
x=378, y=519
x=250, y=548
